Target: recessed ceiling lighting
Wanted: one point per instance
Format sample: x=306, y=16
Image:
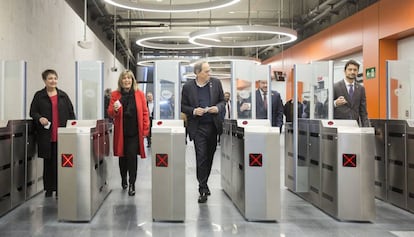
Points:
x=279, y=35
x=168, y=41
x=189, y=7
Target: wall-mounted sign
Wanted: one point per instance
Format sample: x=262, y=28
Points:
x=370, y=72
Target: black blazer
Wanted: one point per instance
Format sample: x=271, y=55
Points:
x=355, y=108
x=277, y=108
x=189, y=101
x=41, y=106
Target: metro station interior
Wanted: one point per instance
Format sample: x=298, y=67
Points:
x=313, y=176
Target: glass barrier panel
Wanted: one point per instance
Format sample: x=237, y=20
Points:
x=89, y=90
x=12, y=90
x=400, y=88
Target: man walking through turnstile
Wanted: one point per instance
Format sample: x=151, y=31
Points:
x=203, y=102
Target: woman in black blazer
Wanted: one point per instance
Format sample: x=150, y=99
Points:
x=50, y=109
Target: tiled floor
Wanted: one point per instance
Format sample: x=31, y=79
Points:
x=121, y=215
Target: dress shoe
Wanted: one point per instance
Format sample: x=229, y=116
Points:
x=131, y=191
x=48, y=193
x=124, y=184
x=202, y=198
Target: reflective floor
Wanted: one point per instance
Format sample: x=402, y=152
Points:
x=121, y=215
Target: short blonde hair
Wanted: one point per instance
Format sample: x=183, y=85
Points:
x=130, y=74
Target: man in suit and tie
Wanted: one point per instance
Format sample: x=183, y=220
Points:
x=349, y=97
x=203, y=103
x=261, y=105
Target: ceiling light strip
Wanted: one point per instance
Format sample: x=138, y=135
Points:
x=281, y=35
x=177, y=38
x=190, y=7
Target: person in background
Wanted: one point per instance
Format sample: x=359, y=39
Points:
x=107, y=98
x=227, y=114
x=50, y=108
x=319, y=112
x=349, y=97
x=203, y=102
x=288, y=110
x=128, y=109
x=150, y=105
x=261, y=105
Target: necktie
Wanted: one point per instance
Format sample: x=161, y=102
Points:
x=265, y=100
x=351, y=90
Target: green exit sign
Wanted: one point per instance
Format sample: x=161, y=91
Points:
x=370, y=72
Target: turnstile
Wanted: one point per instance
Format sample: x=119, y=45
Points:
x=84, y=150
x=395, y=171
x=5, y=167
x=252, y=178
x=302, y=172
x=410, y=165
x=314, y=138
x=347, y=177
x=396, y=163
x=290, y=162
x=18, y=164
x=336, y=157
x=168, y=170
x=380, y=183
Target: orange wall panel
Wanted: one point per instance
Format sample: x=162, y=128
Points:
x=396, y=17
x=369, y=30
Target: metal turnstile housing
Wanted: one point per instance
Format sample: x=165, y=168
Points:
x=290, y=163
x=18, y=164
x=168, y=170
x=302, y=172
x=254, y=181
x=380, y=183
x=84, y=152
x=314, y=144
x=410, y=165
x=347, y=171
x=397, y=163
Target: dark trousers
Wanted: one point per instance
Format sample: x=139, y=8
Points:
x=205, y=143
x=128, y=163
x=50, y=169
x=150, y=132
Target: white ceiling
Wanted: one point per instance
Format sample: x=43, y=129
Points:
x=307, y=17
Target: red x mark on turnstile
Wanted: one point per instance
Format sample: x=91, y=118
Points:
x=349, y=160
x=255, y=159
x=161, y=160
x=67, y=160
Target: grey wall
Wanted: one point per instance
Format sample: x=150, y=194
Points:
x=44, y=33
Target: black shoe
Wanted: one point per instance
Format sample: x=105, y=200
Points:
x=48, y=193
x=208, y=193
x=202, y=198
x=131, y=191
x=124, y=184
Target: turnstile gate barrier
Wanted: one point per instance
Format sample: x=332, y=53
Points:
x=19, y=174
x=168, y=170
x=251, y=173
x=347, y=156
x=84, y=150
x=394, y=163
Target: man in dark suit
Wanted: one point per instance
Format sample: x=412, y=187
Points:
x=203, y=103
x=261, y=105
x=150, y=105
x=349, y=97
